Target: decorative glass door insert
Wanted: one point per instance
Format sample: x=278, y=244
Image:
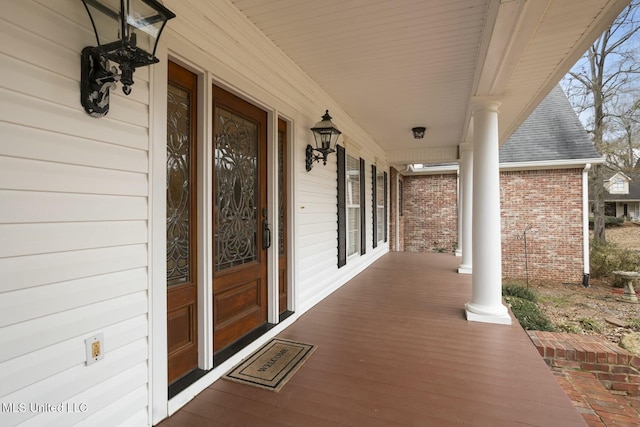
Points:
x=236, y=218
x=178, y=186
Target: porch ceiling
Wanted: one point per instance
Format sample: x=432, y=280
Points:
x=396, y=64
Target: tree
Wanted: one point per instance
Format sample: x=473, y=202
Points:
x=606, y=76
x=624, y=149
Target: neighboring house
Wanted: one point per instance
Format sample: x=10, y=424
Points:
x=621, y=196
x=543, y=170
x=148, y=230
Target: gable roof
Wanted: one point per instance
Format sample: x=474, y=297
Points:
x=552, y=132
x=634, y=187
x=634, y=194
x=609, y=175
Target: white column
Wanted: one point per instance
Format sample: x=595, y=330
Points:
x=486, y=304
x=458, y=252
x=465, y=211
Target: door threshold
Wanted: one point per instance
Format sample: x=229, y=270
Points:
x=218, y=359
x=223, y=355
x=186, y=381
x=284, y=315
x=226, y=353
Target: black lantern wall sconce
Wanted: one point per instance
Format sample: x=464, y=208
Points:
x=127, y=32
x=326, y=135
x=418, y=132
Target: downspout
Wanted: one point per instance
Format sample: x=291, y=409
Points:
x=585, y=225
x=397, y=213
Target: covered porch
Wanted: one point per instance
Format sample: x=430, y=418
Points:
x=394, y=349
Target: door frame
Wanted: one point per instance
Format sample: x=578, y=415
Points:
x=158, y=402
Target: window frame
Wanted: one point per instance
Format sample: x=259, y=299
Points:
x=618, y=186
x=342, y=207
x=379, y=185
x=352, y=180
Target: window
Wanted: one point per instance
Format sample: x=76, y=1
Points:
x=618, y=186
x=380, y=207
x=351, y=210
x=379, y=202
x=353, y=205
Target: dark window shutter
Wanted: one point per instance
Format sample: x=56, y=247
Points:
x=384, y=224
x=374, y=204
x=342, y=207
x=363, y=210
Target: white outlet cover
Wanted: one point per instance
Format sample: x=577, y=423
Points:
x=89, y=345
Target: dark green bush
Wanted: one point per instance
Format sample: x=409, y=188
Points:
x=607, y=257
x=612, y=220
x=529, y=315
x=520, y=292
x=609, y=221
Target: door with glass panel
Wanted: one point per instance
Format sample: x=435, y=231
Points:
x=283, y=295
x=182, y=233
x=241, y=234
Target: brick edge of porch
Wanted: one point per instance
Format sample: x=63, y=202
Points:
x=616, y=368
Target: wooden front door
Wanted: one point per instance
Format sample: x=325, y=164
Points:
x=182, y=233
x=240, y=224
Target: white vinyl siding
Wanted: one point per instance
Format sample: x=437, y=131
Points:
x=74, y=226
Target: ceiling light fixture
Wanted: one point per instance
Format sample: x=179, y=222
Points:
x=418, y=132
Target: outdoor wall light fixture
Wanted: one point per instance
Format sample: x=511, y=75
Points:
x=127, y=32
x=418, y=132
x=326, y=135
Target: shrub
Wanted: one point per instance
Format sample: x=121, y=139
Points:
x=607, y=257
x=609, y=221
x=520, y=292
x=528, y=314
x=612, y=220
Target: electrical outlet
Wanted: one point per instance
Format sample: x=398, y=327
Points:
x=95, y=348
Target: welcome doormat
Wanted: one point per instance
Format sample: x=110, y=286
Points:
x=271, y=366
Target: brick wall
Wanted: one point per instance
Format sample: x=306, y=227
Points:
x=615, y=367
x=430, y=213
x=548, y=201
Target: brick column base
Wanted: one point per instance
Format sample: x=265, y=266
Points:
x=615, y=367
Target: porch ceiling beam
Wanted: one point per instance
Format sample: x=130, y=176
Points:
x=425, y=155
x=514, y=27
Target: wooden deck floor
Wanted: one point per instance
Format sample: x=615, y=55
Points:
x=394, y=349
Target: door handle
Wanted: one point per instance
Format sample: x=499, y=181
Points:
x=266, y=231
x=266, y=235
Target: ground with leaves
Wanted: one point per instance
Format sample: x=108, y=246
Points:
x=596, y=309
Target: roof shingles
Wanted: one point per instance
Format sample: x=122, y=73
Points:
x=552, y=132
